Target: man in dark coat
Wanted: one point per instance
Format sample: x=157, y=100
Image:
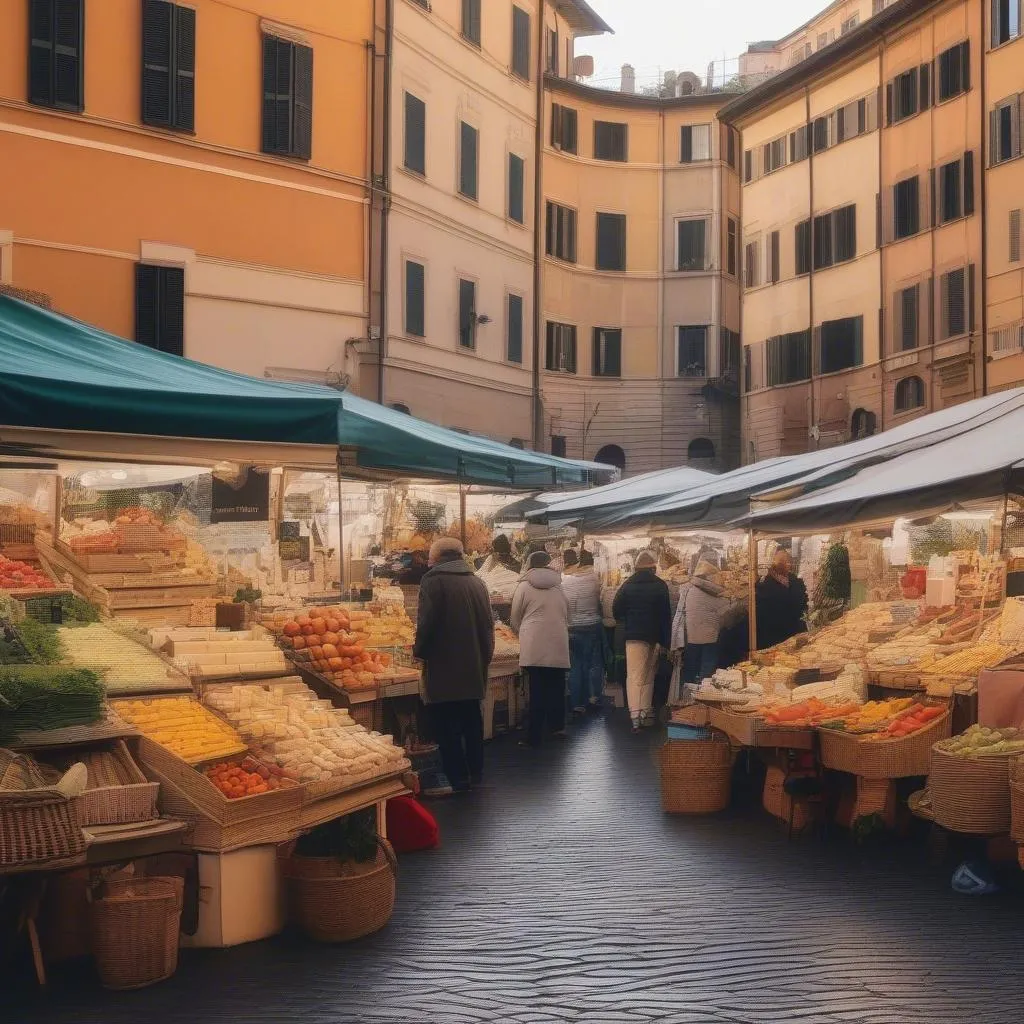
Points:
x=455, y=642
x=781, y=603
x=644, y=608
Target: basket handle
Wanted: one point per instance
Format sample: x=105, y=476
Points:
x=389, y=854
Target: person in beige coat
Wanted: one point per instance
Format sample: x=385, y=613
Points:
x=540, y=616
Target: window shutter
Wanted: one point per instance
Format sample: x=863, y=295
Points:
x=157, y=33
x=556, y=126
x=276, y=95
x=993, y=137
x=516, y=183
x=414, y=299
x=965, y=66
x=147, y=305
x=888, y=104
x=172, y=310
x=774, y=248
x=514, y=345
x=932, y=191
x=40, y=84
x=302, y=128
x=686, y=151
x=549, y=360
x=468, y=161
x=570, y=140
x=1015, y=236
x=520, y=43
x=67, y=54
x=969, y=298
x=415, y=134
x=968, y=183
x=185, y=68
x=613, y=353
x=925, y=80
x=549, y=228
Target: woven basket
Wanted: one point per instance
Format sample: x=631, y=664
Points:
x=883, y=759
x=1017, y=800
x=108, y=803
x=134, y=924
x=971, y=795
x=341, y=908
x=696, y=775
x=778, y=803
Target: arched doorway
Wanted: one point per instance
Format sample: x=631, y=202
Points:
x=700, y=449
x=612, y=455
x=400, y=407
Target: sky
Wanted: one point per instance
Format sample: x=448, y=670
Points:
x=685, y=35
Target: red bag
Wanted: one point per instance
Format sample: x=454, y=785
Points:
x=411, y=826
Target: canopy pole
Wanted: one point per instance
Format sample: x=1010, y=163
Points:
x=752, y=592
x=462, y=515
x=341, y=532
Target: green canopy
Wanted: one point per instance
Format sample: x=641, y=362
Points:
x=60, y=374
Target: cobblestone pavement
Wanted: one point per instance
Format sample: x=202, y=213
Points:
x=562, y=893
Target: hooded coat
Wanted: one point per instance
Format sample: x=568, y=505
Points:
x=703, y=607
x=582, y=589
x=454, y=633
x=540, y=615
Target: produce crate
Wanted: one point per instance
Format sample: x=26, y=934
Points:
x=741, y=729
x=696, y=775
x=971, y=795
x=117, y=792
x=692, y=714
x=897, y=679
x=220, y=824
x=778, y=803
x=896, y=758
x=233, y=742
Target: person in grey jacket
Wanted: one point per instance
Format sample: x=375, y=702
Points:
x=455, y=642
x=540, y=616
x=698, y=622
x=582, y=589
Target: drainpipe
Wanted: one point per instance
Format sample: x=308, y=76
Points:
x=385, y=198
x=882, y=249
x=374, y=299
x=538, y=251
x=983, y=205
x=810, y=216
x=663, y=175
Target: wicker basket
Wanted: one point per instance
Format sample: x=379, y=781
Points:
x=134, y=924
x=883, y=759
x=696, y=775
x=778, y=803
x=1017, y=800
x=107, y=802
x=330, y=907
x=971, y=795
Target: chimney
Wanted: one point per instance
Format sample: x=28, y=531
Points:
x=628, y=79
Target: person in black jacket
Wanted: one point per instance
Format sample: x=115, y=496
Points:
x=781, y=603
x=455, y=642
x=644, y=608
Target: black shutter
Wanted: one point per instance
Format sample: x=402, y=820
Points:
x=185, y=68
x=569, y=130
x=520, y=43
x=415, y=134
x=549, y=229
x=514, y=345
x=965, y=66
x=888, y=104
x=613, y=353
x=556, y=126
x=277, y=96
x=157, y=33
x=56, y=31
x=414, y=299
x=611, y=241
x=302, y=116
x=926, y=86
x=686, y=148
x=549, y=360
x=40, y=56
x=571, y=341
x=968, y=183
x=147, y=305
x=160, y=308
x=468, y=161
x=471, y=21
x=516, y=186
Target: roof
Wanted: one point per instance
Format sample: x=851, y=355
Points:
x=764, y=46
x=615, y=98
x=855, y=43
x=63, y=375
x=582, y=18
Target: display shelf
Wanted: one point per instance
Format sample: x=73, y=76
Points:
x=73, y=736
x=349, y=801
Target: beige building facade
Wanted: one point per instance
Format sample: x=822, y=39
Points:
x=862, y=231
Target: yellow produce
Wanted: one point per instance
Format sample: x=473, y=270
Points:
x=971, y=661
x=979, y=741
x=183, y=726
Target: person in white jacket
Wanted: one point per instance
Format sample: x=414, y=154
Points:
x=698, y=622
x=582, y=589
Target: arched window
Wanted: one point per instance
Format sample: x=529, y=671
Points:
x=700, y=448
x=909, y=394
x=611, y=455
x=862, y=424
x=400, y=407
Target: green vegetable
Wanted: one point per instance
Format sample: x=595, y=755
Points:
x=40, y=697
x=247, y=595
x=350, y=838
x=40, y=641
x=834, y=580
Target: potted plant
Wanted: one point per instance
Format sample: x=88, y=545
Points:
x=341, y=879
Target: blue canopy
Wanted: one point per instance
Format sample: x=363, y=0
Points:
x=60, y=374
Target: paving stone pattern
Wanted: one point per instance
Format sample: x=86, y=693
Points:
x=563, y=894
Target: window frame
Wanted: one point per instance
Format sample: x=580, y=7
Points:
x=688, y=143
x=902, y=321
x=407, y=262
x=521, y=63
x=954, y=71
x=510, y=210
x=40, y=49
x=561, y=117
x=561, y=225
x=464, y=128
x=561, y=340
x=704, y=233
x=611, y=132
x=732, y=242
x=836, y=364
x=916, y=389
x=511, y=298
x=1011, y=107
x=462, y=290
x=162, y=275
x=997, y=39
x=600, y=338
x=471, y=27
x=684, y=369
x=914, y=226
x=300, y=111
x=421, y=171
x=181, y=35
x=618, y=263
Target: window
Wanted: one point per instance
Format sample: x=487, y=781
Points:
x=607, y=352
x=55, y=69
x=956, y=306
x=692, y=251
x=415, y=134
x=563, y=128
x=803, y=248
x=731, y=247
x=835, y=237
x=558, y=446
x=1004, y=131
x=729, y=353
x=551, y=52
x=516, y=188
x=469, y=140
x=610, y=141
x=751, y=268
x=700, y=448
x=611, y=455
x=561, y=232
x=693, y=351
x=520, y=43
x=799, y=144
x=825, y=38
x=748, y=166
x=773, y=155
x=849, y=25
x=956, y=189
x=287, y=98
x=788, y=358
x=467, y=313
x=695, y=144
x=514, y=333
x=841, y=344
x=1015, y=249
x=731, y=146
x=901, y=96
x=561, y=348
x=954, y=71
x=168, y=65
x=415, y=312
x=471, y=21
x=772, y=258
x=821, y=133
x=1005, y=21
x=906, y=204
x=611, y=241
x=160, y=308
x=909, y=394
x=907, y=324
